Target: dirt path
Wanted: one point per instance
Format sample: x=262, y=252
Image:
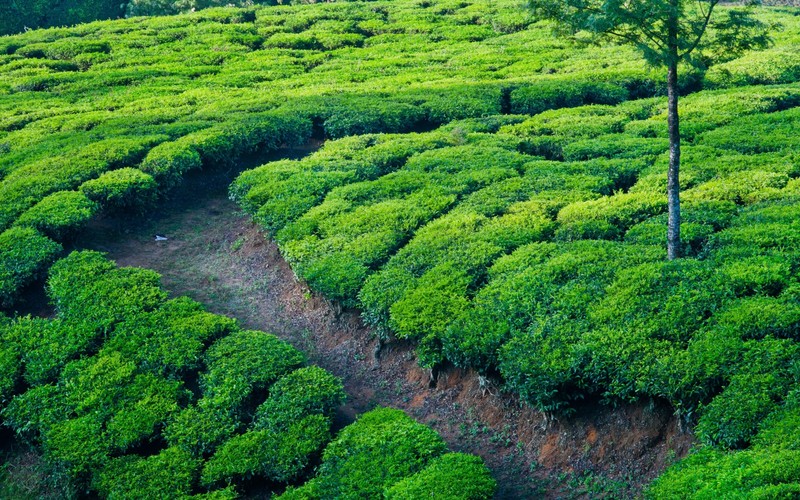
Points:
x=215, y=255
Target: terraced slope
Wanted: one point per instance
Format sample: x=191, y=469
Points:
x=496, y=196
x=533, y=249
x=168, y=95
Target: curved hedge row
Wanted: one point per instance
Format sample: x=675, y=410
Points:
x=106, y=388
x=135, y=395
x=386, y=454
x=503, y=249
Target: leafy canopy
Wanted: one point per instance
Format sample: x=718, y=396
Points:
x=664, y=31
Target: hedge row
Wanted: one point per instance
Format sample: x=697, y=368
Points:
x=106, y=388
x=25, y=255
x=135, y=395
x=552, y=274
x=768, y=469
x=385, y=454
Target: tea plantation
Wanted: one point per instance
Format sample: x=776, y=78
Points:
x=489, y=191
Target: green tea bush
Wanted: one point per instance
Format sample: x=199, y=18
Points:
x=79, y=444
x=453, y=475
x=654, y=232
x=59, y=215
x=46, y=346
x=171, y=339
x=85, y=286
x=666, y=300
x=613, y=147
x=456, y=102
x=413, y=289
x=539, y=300
x=224, y=144
x=609, y=215
x=277, y=456
x=768, y=469
x=138, y=424
x=245, y=362
x=168, y=162
x=754, y=318
x=700, y=220
x=303, y=392
x=126, y=188
x=772, y=67
x=767, y=372
x=104, y=408
x=280, y=192
x=171, y=470
x=427, y=309
x=364, y=117
x=546, y=95
x=334, y=245
x=338, y=276
x=382, y=447
x=24, y=255
x=584, y=122
x=740, y=187
x=706, y=111
x=10, y=365
x=202, y=428
x=761, y=133
x=68, y=48
x=757, y=275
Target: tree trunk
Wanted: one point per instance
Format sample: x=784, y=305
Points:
x=673, y=186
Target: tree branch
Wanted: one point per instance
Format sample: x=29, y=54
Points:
x=711, y=5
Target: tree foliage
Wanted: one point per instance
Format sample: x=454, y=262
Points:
x=663, y=31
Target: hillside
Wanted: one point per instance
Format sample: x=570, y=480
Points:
x=488, y=192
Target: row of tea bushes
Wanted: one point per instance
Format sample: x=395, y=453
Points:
x=359, y=224
x=135, y=395
x=552, y=274
x=768, y=469
x=168, y=95
x=106, y=389
x=24, y=256
x=59, y=195
x=385, y=454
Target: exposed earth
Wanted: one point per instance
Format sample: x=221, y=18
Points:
x=216, y=255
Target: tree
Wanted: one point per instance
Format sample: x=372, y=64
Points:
x=19, y=15
x=666, y=32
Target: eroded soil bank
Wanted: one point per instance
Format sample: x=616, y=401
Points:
x=214, y=254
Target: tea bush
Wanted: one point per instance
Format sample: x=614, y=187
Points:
x=169, y=161
x=768, y=469
x=172, y=470
x=25, y=255
x=277, y=456
x=381, y=448
x=126, y=188
x=246, y=362
x=303, y=392
x=453, y=475
x=534, y=99
x=59, y=215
